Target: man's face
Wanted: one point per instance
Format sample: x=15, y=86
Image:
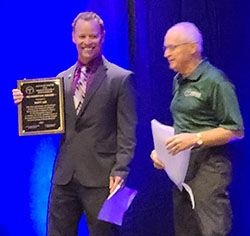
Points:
x=88, y=39
x=177, y=51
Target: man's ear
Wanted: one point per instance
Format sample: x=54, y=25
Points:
x=73, y=37
x=103, y=36
x=194, y=48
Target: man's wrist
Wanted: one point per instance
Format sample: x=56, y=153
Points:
x=199, y=140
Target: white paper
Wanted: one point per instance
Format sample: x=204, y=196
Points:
x=115, y=190
x=190, y=192
x=175, y=166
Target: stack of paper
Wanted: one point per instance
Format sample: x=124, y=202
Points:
x=175, y=166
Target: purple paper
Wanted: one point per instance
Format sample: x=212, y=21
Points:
x=113, y=209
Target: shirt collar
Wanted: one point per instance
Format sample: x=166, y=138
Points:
x=195, y=75
x=91, y=66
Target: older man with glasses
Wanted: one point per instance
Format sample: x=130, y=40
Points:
x=206, y=118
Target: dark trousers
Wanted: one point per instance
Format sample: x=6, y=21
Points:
x=67, y=204
x=209, y=175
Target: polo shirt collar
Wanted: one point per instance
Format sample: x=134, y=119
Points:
x=195, y=75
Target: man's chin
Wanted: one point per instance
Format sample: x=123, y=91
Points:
x=86, y=59
x=172, y=67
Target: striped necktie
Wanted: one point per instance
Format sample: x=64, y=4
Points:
x=80, y=89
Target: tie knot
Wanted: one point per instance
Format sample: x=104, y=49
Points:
x=80, y=75
x=84, y=73
x=83, y=69
x=80, y=87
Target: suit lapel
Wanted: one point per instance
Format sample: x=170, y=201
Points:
x=97, y=80
x=68, y=81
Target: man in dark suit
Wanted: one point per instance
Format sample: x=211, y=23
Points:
x=99, y=141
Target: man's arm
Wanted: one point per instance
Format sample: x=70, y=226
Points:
x=126, y=124
x=213, y=137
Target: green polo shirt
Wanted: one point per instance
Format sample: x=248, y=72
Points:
x=204, y=100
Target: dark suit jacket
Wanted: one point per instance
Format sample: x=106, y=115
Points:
x=100, y=140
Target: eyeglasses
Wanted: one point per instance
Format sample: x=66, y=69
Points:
x=172, y=47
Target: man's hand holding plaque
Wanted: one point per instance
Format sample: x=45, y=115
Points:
x=40, y=106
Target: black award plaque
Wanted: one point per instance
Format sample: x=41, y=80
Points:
x=42, y=108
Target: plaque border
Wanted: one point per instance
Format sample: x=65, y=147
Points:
x=61, y=128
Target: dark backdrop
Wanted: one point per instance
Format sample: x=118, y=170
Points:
x=36, y=42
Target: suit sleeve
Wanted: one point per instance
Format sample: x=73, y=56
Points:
x=126, y=127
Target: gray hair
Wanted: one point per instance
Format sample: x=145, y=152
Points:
x=88, y=16
x=190, y=33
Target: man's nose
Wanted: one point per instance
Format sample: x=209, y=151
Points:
x=166, y=53
x=87, y=40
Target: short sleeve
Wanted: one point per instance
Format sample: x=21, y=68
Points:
x=226, y=107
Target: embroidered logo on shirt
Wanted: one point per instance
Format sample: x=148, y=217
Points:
x=191, y=93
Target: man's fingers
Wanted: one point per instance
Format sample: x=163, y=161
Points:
x=114, y=182
x=157, y=163
x=157, y=166
x=17, y=95
x=111, y=181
